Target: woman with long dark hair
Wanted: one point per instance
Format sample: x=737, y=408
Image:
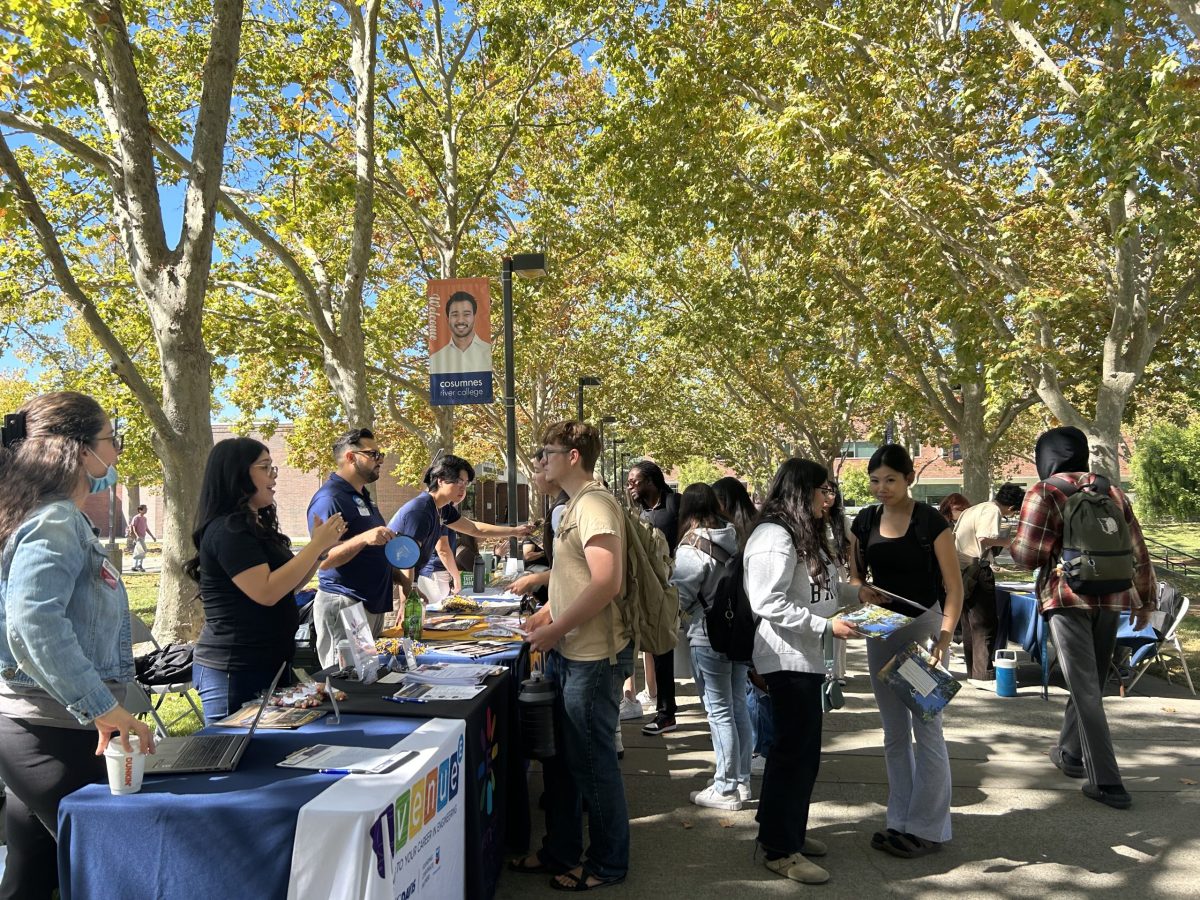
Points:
x=736, y=506
x=65, y=653
x=247, y=576
x=791, y=580
x=706, y=545
x=908, y=549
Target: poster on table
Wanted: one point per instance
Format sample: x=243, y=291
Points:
x=460, y=334
x=411, y=844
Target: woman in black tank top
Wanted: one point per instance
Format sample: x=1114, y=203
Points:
x=909, y=550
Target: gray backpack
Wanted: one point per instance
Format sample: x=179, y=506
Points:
x=1097, y=555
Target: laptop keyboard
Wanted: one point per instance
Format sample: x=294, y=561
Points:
x=204, y=750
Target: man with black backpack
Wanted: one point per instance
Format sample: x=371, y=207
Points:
x=1080, y=532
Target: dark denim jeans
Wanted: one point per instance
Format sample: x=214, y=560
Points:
x=222, y=693
x=758, y=704
x=585, y=725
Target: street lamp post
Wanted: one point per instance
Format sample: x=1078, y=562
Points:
x=585, y=381
x=529, y=265
x=606, y=420
x=616, y=442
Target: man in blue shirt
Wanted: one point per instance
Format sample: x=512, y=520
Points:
x=356, y=569
x=422, y=517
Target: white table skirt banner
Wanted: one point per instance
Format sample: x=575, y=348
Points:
x=397, y=836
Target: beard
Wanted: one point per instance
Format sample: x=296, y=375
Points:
x=369, y=474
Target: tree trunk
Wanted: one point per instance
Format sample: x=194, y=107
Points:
x=346, y=373
x=973, y=442
x=187, y=395
x=133, y=499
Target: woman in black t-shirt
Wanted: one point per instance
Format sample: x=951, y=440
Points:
x=908, y=548
x=247, y=575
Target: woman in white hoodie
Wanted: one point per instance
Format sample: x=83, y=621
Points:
x=707, y=544
x=791, y=580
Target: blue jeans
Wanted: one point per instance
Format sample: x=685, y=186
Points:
x=723, y=685
x=585, y=725
x=222, y=693
x=761, y=717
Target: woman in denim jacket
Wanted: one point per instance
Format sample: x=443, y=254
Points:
x=65, y=654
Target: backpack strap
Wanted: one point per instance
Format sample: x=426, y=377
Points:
x=870, y=518
x=704, y=545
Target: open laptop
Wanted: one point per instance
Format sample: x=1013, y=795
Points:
x=206, y=752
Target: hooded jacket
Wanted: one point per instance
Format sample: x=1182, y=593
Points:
x=696, y=575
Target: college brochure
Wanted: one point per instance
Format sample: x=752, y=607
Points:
x=433, y=693
x=337, y=760
x=922, y=685
x=873, y=621
x=451, y=673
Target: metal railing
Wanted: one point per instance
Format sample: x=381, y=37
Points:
x=1172, y=558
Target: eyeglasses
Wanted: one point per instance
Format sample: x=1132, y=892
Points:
x=827, y=490
x=117, y=441
x=548, y=450
x=271, y=470
x=377, y=455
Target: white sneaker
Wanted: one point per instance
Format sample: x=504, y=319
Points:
x=645, y=699
x=710, y=798
x=620, y=744
x=743, y=792
x=758, y=764
x=630, y=709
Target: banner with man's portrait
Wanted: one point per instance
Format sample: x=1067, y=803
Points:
x=460, y=341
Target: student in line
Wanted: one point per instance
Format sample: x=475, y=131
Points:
x=908, y=549
x=791, y=581
x=706, y=545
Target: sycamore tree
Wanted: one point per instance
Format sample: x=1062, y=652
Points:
x=1048, y=148
x=90, y=86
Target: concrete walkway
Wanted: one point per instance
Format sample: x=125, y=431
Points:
x=1021, y=828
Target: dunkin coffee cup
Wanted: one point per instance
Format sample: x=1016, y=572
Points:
x=125, y=770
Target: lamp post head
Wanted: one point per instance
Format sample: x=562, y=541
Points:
x=529, y=265
x=589, y=381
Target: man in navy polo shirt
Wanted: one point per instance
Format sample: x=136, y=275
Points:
x=356, y=569
x=422, y=517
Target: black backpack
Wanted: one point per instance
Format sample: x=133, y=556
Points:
x=728, y=620
x=923, y=517
x=170, y=665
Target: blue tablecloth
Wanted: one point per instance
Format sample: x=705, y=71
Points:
x=189, y=836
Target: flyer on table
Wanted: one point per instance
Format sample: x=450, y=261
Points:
x=460, y=348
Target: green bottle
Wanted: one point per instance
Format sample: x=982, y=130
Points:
x=414, y=611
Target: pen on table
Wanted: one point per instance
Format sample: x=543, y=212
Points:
x=336, y=771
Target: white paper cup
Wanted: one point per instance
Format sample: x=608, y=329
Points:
x=513, y=566
x=125, y=770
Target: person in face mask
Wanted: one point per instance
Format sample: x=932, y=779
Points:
x=65, y=653
x=1082, y=625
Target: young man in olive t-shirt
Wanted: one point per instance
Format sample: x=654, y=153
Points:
x=589, y=654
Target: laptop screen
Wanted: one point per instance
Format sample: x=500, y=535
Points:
x=266, y=701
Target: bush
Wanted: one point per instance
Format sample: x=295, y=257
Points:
x=1164, y=472
x=856, y=486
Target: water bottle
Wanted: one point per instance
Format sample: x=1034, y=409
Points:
x=535, y=715
x=478, y=580
x=414, y=614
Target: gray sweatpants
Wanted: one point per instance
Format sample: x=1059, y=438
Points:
x=914, y=751
x=1085, y=639
x=328, y=622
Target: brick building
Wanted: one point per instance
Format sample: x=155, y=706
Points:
x=486, y=502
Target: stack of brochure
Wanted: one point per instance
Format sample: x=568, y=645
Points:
x=873, y=621
x=451, y=673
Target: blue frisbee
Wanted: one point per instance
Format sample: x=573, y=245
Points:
x=402, y=551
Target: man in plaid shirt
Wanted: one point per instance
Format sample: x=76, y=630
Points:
x=1084, y=628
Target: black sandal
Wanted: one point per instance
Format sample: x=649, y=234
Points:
x=580, y=882
x=519, y=866
x=909, y=846
x=880, y=838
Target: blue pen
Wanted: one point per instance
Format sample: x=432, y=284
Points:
x=335, y=771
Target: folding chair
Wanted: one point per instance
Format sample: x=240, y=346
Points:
x=1146, y=655
x=141, y=634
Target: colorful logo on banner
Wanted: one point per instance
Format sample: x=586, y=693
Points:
x=487, y=773
x=460, y=341
x=403, y=820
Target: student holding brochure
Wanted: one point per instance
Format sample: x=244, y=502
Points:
x=908, y=549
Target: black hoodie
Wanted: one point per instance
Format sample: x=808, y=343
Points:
x=1062, y=450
